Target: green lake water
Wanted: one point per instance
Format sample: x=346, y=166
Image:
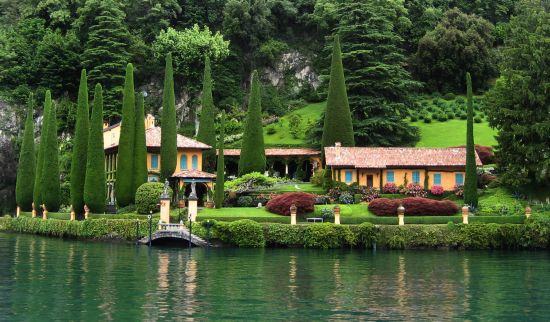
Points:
x=46, y=279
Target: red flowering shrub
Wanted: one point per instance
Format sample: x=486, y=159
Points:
x=413, y=207
x=281, y=203
x=437, y=190
x=390, y=188
x=458, y=190
x=415, y=190
x=485, y=153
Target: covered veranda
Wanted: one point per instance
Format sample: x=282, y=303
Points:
x=182, y=180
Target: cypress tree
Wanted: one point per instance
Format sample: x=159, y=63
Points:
x=207, y=133
x=252, y=151
x=337, y=126
x=220, y=176
x=94, y=186
x=168, y=140
x=26, y=166
x=125, y=167
x=470, y=183
x=37, y=191
x=140, y=148
x=80, y=147
x=50, y=186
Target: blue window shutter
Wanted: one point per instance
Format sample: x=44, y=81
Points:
x=183, y=162
x=390, y=177
x=437, y=178
x=349, y=176
x=154, y=161
x=416, y=177
x=195, y=162
x=459, y=178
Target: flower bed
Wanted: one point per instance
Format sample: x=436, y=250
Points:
x=413, y=206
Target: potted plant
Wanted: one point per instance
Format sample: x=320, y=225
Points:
x=209, y=199
x=181, y=199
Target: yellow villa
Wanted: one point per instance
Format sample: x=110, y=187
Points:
x=374, y=167
x=189, y=158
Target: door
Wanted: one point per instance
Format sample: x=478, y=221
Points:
x=369, y=180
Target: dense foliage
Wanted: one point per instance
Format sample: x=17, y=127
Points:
x=207, y=128
x=140, y=148
x=147, y=197
x=49, y=182
x=220, y=167
x=27, y=165
x=470, y=182
x=281, y=204
x=413, y=207
x=168, y=140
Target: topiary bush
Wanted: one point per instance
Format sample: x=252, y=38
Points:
x=147, y=197
x=281, y=204
x=245, y=201
x=449, y=96
x=427, y=119
x=246, y=233
x=478, y=119
x=413, y=207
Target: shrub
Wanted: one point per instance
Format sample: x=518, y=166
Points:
x=147, y=197
x=415, y=190
x=463, y=116
x=478, y=119
x=458, y=190
x=413, y=207
x=484, y=179
x=449, y=96
x=126, y=210
x=337, y=189
x=249, y=182
x=485, y=153
x=327, y=214
x=427, y=119
x=318, y=178
x=282, y=235
x=450, y=115
x=246, y=233
x=244, y=201
x=437, y=190
x=271, y=130
x=414, y=118
x=442, y=118
x=390, y=187
x=346, y=198
x=368, y=194
x=328, y=235
x=281, y=204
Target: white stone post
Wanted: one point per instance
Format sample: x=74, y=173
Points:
x=528, y=212
x=73, y=214
x=465, y=214
x=401, y=215
x=33, y=211
x=193, y=209
x=293, y=211
x=165, y=210
x=18, y=211
x=336, y=210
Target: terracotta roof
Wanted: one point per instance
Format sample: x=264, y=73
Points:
x=152, y=139
x=377, y=158
x=278, y=152
x=194, y=174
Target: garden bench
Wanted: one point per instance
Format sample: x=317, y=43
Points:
x=314, y=219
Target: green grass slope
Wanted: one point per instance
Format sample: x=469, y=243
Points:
x=453, y=133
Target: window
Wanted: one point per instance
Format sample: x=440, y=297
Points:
x=183, y=162
x=195, y=162
x=153, y=179
x=349, y=176
x=154, y=161
x=459, y=178
x=390, y=177
x=416, y=177
x=437, y=179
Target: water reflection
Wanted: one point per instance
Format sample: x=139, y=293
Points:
x=49, y=279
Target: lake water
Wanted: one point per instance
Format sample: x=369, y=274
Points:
x=45, y=279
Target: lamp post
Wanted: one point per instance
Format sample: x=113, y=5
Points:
x=150, y=217
x=401, y=215
x=207, y=225
x=190, y=229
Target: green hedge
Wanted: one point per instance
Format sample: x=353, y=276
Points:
x=433, y=220
x=278, y=219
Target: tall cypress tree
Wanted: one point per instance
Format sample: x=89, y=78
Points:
x=26, y=166
x=220, y=179
x=337, y=125
x=207, y=132
x=46, y=113
x=50, y=185
x=470, y=183
x=168, y=140
x=140, y=148
x=124, y=183
x=80, y=147
x=252, y=151
x=94, y=186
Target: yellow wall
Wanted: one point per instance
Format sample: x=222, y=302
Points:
x=448, y=179
x=363, y=173
x=188, y=152
x=399, y=176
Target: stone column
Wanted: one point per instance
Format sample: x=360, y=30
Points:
x=44, y=212
x=33, y=211
x=86, y=212
x=165, y=209
x=401, y=215
x=18, y=211
x=193, y=209
x=465, y=214
x=528, y=212
x=336, y=215
x=286, y=167
x=293, y=211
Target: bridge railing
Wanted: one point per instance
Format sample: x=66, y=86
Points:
x=165, y=226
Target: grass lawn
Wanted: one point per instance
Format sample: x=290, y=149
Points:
x=453, y=133
x=298, y=187
x=356, y=210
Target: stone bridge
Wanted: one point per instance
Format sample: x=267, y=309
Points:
x=180, y=233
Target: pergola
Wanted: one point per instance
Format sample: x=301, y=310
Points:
x=185, y=177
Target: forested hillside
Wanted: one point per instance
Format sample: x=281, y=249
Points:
x=392, y=52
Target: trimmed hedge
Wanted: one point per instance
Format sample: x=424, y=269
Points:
x=433, y=220
x=281, y=204
x=147, y=197
x=279, y=219
x=413, y=206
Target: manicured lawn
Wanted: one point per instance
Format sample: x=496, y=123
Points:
x=282, y=134
x=356, y=210
x=453, y=133
x=298, y=187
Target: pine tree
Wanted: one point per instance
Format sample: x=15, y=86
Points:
x=207, y=132
x=94, y=186
x=470, y=183
x=82, y=130
x=46, y=113
x=252, y=151
x=125, y=167
x=168, y=141
x=337, y=126
x=26, y=166
x=106, y=49
x=49, y=182
x=140, y=148
x=220, y=175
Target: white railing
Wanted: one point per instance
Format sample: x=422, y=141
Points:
x=165, y=226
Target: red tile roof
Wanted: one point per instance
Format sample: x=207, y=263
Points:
x=378, y=158
x=196, y=174
x=278, y=152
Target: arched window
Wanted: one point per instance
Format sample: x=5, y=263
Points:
x=195, y=162
x=183, y=162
